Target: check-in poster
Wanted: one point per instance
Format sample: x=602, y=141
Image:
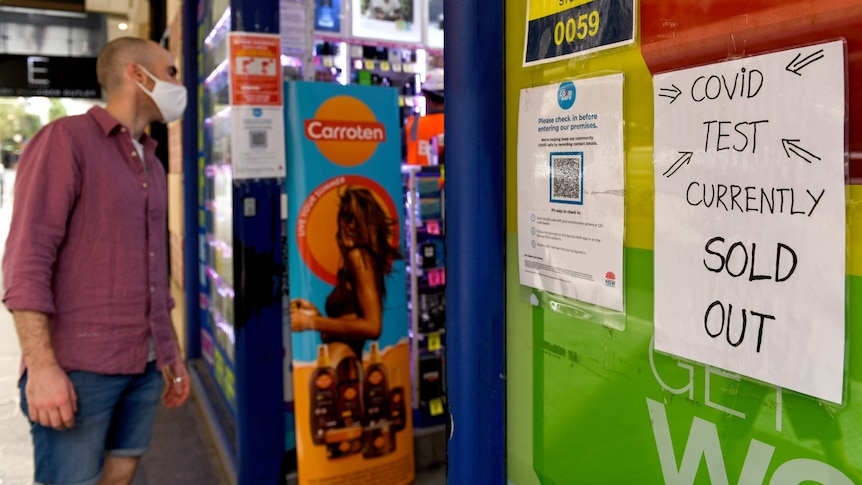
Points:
x=750, y=240
x=348, y=302
x=395, y=20
x=571, y=189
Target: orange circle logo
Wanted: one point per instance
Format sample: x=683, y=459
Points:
x=323, y=381
x=317, y=224
x=375, y=377
x=345, y=131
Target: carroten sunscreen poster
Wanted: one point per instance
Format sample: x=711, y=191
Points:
x=351, y=362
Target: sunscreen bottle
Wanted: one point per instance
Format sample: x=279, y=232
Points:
x=397, y=407
x=324, y=414
x=376, y=388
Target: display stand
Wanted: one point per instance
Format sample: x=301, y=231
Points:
x=426, y=272
x=216, y=292
x=369, y=64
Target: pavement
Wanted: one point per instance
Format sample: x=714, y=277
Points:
x=16, y=450
x=183, y=449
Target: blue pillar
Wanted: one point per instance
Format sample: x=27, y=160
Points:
x=258, y=265
x=475, y=240
x=191, y=263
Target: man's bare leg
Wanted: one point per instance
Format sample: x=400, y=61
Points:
x=119, y=470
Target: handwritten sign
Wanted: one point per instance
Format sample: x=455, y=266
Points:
x=750, y=217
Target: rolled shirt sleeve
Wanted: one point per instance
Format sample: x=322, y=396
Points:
x=46, y=187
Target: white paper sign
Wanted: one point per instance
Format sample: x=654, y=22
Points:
x=750, y=217
x=435, y=36
x=391, y=20
x=293, y=26
x=570, y=189
x=257, y=142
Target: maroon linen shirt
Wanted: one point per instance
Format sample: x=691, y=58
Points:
x=88, y=245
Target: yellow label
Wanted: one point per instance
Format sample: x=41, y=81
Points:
x=436, y=406
x=543, y=8
x=854, y=230
x=328, y=62
x=384, y=66
x=396, y=67
x=434, y=342
x=369, y=65
x=230, y=386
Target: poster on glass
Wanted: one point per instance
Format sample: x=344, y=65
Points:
x=348, y=306
x=327, y=16
x=434, y=39
x=395, y=20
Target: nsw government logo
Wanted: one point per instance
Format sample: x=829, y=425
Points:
x=610, y=279
x=566, y=95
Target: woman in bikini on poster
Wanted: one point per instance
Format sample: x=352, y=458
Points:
x=354, y=308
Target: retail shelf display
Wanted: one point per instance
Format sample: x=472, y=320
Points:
x=426, y=288
x=217, y=294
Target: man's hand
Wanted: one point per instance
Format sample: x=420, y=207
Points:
x=177, y=385
x=51, y=398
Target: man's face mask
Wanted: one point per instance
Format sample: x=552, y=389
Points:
x=169, y=98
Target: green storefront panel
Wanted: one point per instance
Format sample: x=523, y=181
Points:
x=589, y=400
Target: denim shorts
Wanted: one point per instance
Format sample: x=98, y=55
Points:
x=115, y=416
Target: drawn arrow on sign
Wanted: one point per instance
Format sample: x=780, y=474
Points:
x=797, y=64
x=669, y=93
x=790, y=146
x=684, y=158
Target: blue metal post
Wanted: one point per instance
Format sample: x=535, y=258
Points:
x=475, y=240
x=191, y=265
x=258, y=265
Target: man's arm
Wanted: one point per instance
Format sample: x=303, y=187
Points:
x=51, y=398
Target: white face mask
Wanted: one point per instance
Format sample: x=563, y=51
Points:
x=170, y=98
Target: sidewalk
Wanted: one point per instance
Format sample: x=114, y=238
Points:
x=16, y=450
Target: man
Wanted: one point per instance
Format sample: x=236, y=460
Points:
x=85, y=274
x=420, y=130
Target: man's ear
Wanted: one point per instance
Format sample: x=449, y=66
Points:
x=131, y=71
x=134, y=73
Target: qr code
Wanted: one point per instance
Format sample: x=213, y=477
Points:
x=257, y=139
x=566, y=172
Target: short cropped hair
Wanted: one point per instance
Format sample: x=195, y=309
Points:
x=116, y=55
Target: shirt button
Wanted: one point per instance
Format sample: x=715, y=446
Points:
x=134, y=154
x=152, y=289
x=144, y=185
x=152, y=255
x=123, y=130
